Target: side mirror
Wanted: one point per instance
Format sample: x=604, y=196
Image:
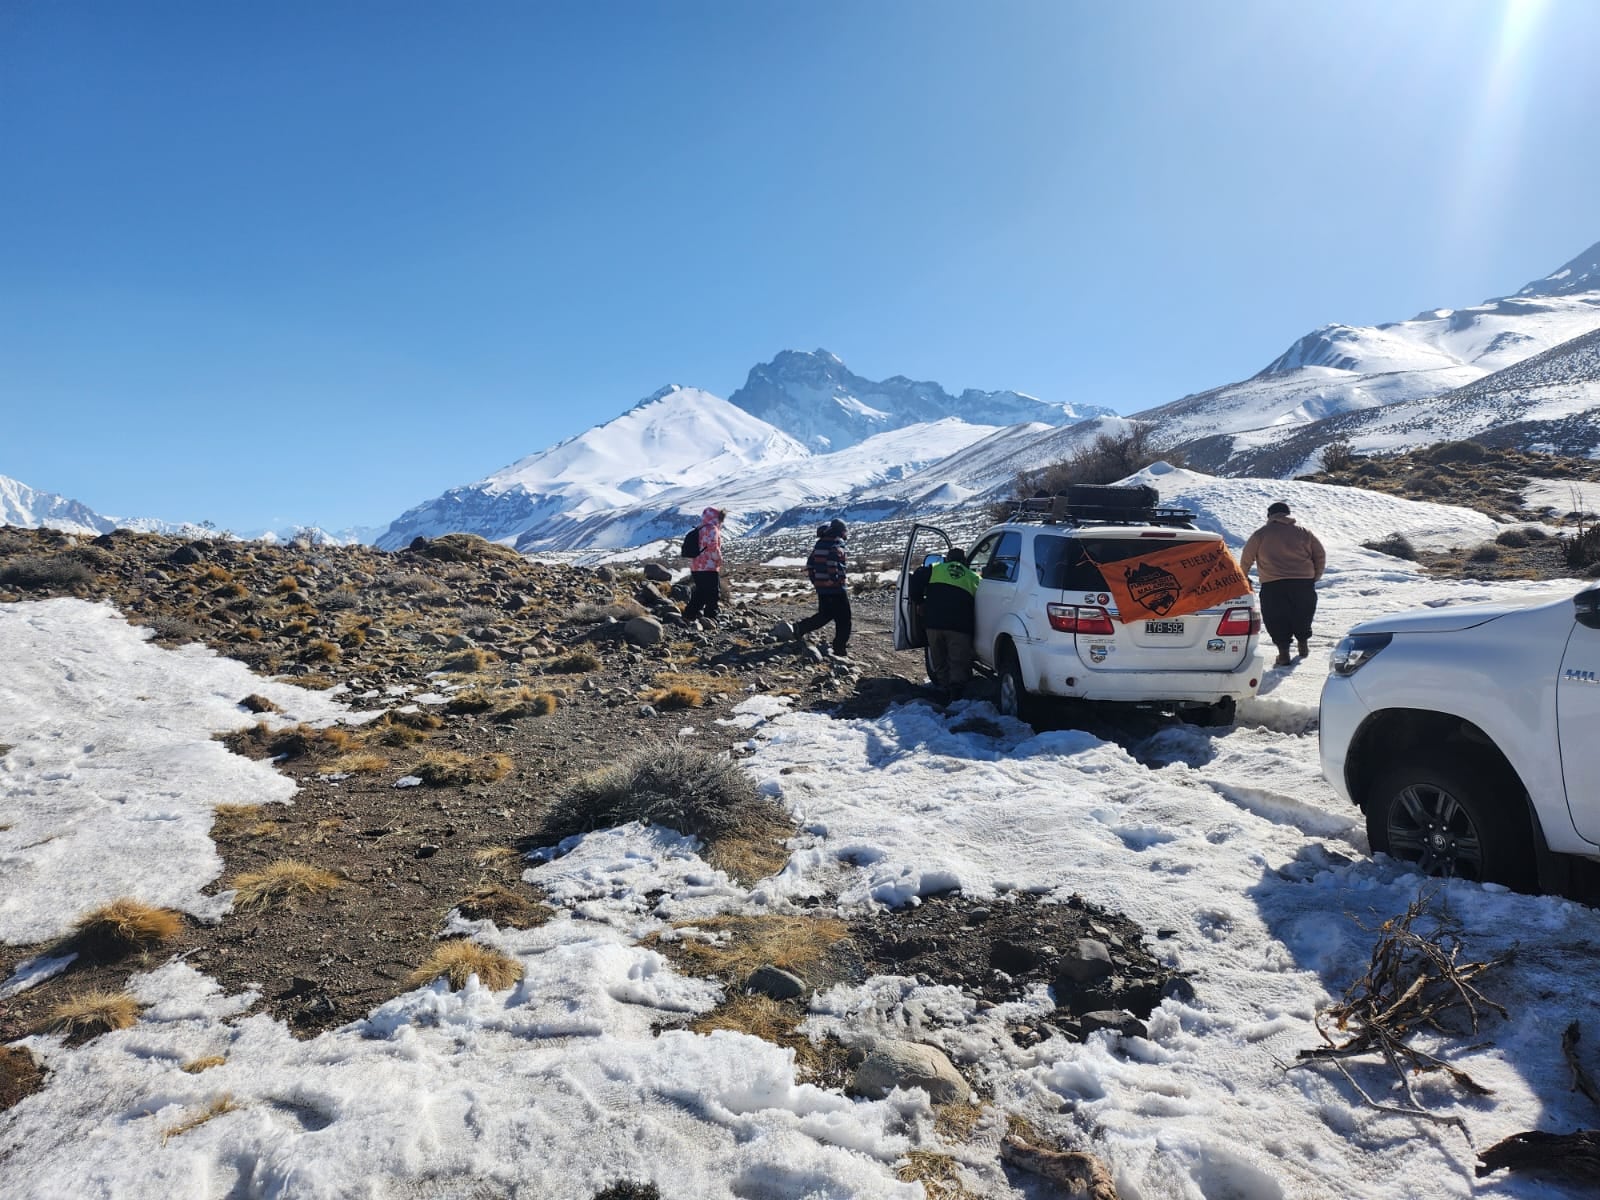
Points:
x=1586, y=607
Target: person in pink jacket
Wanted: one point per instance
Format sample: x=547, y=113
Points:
x=706, y=569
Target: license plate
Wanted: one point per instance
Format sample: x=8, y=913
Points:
x=1163, y=626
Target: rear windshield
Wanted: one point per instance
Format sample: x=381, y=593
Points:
x=1069, y=563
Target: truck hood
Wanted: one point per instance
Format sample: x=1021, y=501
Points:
x=1452, y=619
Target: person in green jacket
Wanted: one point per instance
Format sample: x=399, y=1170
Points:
x=947, y=592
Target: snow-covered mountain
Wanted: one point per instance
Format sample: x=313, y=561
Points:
x=803, y=436
x=1340, y=370
x=30, y=508
x=821, y=402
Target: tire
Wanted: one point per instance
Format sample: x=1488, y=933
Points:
x=1012, y=699
x=1463, y=819
x=1212, y=716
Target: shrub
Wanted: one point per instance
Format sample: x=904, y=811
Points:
x=1108, y=458
x=458, y=959
x=1338, y=456
x=339, y=601
x=1457, y=452
x=356, y=764
x=474, y=700
x=257, y=703
x=1396, y=544
x=450, y=768
x=1486, y=553
x=117, y=929
x=36, y=573
x=467, y=662
x=462, y=547
x=1582, y=549
x=281, y=882
x=527, y=703
x=692, y=791
x=93, y=1013
x=322, y=650
x=628, y=1189
x=572, y=664
x=588, y=612
x=286, y=585
x=1514, y=538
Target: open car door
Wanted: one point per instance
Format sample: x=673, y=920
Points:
x=926, y=543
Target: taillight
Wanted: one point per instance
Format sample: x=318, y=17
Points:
x=1239, y=622
x=1075, y=618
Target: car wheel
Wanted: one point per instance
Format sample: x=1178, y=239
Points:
x=1461, y=819
x=1212, y=716
x=1013, y=699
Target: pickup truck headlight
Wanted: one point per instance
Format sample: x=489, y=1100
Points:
x=1356, y=650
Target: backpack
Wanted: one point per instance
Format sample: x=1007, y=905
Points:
x=691, y=544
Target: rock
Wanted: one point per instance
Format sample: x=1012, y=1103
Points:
x=657, y=572
x=776, y=983
x=649, y=597
x=647, y=710
x=1123, y=1021
x=783, y=631
x=459, y=642
x=427, y=850
x=908, y=1065
x=1090, y=962
x=643, y=631
x=185, y=555
x=606, y=575
x=432, y=639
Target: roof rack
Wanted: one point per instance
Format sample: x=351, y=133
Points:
x=1057, y=510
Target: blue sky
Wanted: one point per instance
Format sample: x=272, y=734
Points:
x=318, y=261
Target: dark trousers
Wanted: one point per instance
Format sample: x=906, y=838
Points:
x=707, y=594
x=1287, y=606
x=831, y=606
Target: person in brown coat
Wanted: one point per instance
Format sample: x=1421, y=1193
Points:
x=1289, y=561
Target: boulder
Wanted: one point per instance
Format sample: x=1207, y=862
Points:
x=1088, y=962
x=657, y=572
x=776, y=983
x=1123, y=1021
x=908, y=1065
x=643, y=631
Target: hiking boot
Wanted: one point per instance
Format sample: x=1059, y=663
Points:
x=1283, y=659
x=1304, y=647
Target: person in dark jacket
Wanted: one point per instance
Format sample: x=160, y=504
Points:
x=706, y=569
x=826, y=568
x=1289, y=560
x=947, y=592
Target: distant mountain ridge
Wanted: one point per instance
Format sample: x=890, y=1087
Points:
x=802, y=434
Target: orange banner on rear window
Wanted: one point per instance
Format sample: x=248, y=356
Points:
x=1173, y=580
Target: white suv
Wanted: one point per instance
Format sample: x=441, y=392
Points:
x=1046, y=625
x=1470, y=737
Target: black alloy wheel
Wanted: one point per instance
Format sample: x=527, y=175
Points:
x=1013, y=699
x=1463, y=820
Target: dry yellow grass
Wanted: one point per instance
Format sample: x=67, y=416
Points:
x=939, y=1175
x=469, y=700
x=778, y=1023
x=122, y=927
x=459, y=959
x=356, y=764
x=525, y=702
x=282, y=881
x=214, y=1108
x=497, y=858
x=195, y=1065
x=286, y=585
x=337, y=739
x=956, y=1120
x=810, y=947
x=466, y=661
x=93, y=1013
x=491, y=902
x=450, y=768
x=700, y=681
x=675, y=697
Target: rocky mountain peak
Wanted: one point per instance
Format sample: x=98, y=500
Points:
x=1580, y=274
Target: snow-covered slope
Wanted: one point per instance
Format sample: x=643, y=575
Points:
x=1548, y=402
x=824, y=404
x=679, y=437
x=1581, y=274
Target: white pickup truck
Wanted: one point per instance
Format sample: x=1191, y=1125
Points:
x=1470, y=737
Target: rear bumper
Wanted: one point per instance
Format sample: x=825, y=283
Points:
x=1062, y=673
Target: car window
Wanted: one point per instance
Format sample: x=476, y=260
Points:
x=1007, y=554
x=979, y=558
x=1072, y=564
